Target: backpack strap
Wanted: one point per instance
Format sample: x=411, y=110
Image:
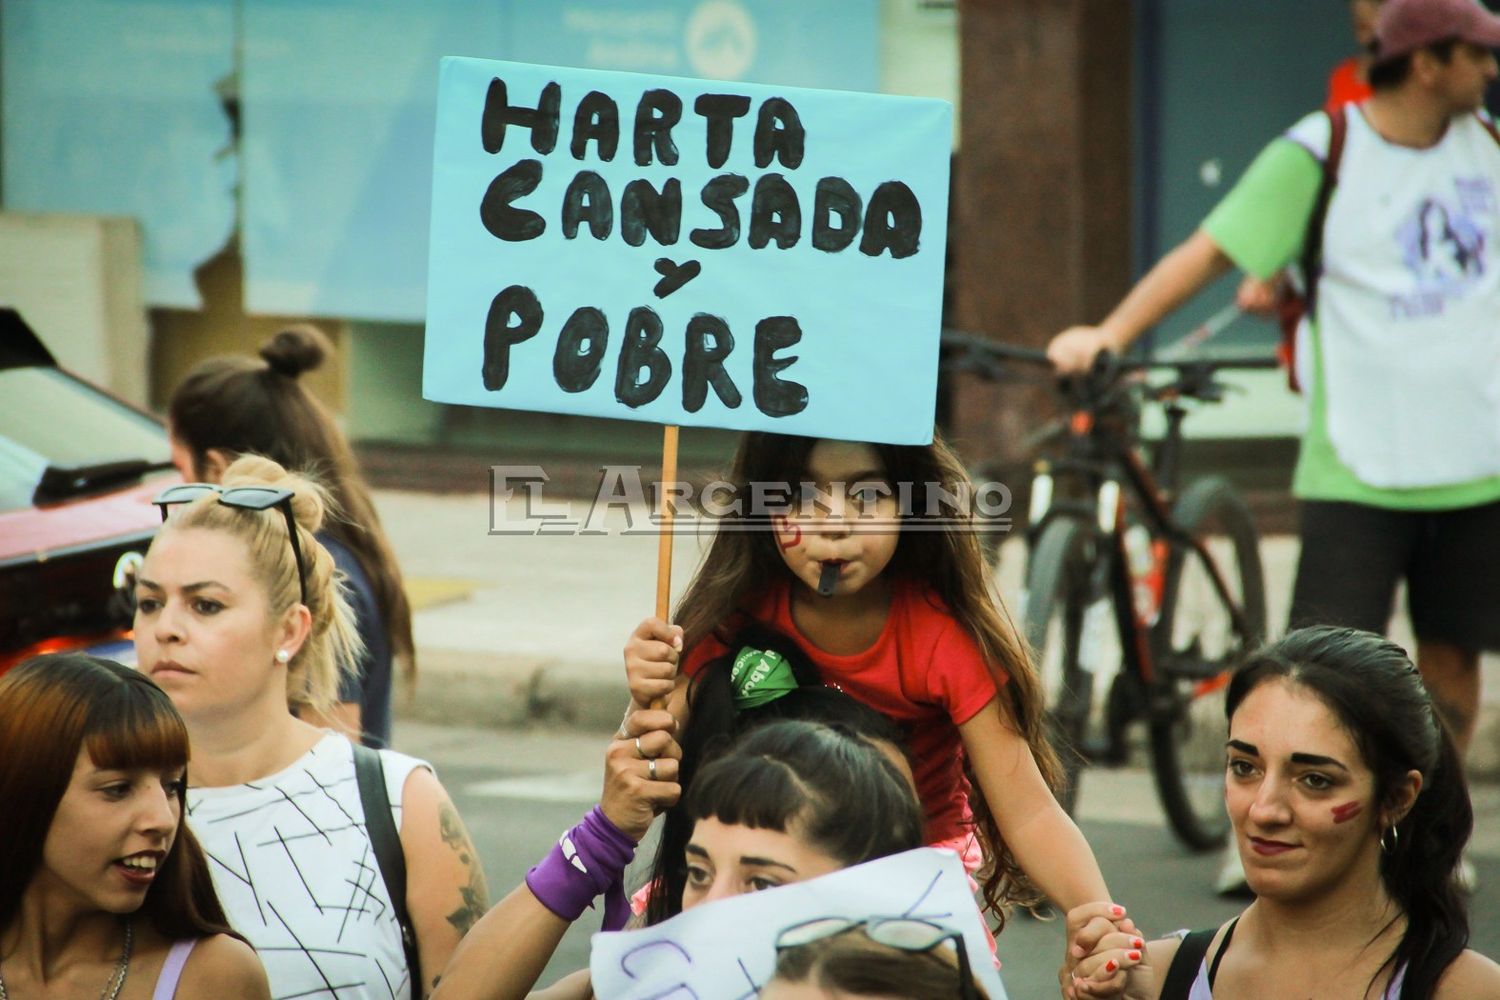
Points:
x=1312, y=242
x=385, y=842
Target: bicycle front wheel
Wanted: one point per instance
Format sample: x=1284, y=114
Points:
x=1059, y=591
x=1198, y=645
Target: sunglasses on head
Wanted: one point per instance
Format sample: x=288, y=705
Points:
x=901, y=933
x=245, y=498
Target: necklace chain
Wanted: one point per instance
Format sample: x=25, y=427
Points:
x=116, y=980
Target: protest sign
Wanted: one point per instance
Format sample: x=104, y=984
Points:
x=727, y=949
x=687, y=252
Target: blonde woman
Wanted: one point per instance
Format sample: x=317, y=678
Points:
x=241, y=620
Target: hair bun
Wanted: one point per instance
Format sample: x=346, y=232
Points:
x=311, y=503
x=296, y=349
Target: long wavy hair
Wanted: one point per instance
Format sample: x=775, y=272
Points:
x=938, y=550
x=1372, y=688
x=53, y=706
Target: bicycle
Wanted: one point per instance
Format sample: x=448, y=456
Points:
x=1178, y=575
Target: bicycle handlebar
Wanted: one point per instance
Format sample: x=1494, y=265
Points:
x=990, y=352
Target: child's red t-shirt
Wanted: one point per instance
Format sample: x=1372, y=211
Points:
x=924, y=671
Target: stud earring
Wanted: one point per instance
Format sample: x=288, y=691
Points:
x=282, y=656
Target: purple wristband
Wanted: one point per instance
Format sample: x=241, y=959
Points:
x=587, y=860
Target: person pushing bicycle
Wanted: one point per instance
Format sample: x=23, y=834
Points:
x=1398, y=476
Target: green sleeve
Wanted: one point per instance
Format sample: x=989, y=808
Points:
x=1261, y=222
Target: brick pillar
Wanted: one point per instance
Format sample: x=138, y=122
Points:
x=1042, y=194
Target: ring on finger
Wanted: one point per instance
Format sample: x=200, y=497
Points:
x=638, y=751
x=651, y=768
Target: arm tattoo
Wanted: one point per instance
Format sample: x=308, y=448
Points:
x=474, y=897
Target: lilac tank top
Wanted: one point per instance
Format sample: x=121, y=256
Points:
x=1201, y=990
x=171, y=970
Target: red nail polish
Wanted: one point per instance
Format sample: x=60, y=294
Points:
x=1137, y=943
x=1110, y=966
x=1134, y=956
x=1118, y=911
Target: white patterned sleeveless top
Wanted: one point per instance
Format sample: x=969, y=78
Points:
x=295, y=871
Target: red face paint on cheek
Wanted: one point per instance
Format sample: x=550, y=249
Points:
x=1347, y=811
x=790, y=534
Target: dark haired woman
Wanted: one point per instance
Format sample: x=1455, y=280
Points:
x=103, y=890
x=767, y=679
x=873, y=960
x=233, y=405
x=1350, y=813
x=790, y=801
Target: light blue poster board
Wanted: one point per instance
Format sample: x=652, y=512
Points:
x=113, y=108
x=745, y=256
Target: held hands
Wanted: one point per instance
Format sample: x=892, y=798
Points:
x=640, y=771
x=1073, y=351
x=1107, y=955
x=651, y=661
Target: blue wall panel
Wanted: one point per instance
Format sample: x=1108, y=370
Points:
x=112, y=107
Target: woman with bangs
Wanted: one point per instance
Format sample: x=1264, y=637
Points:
x=790, y=801
x=104, y=891
x=767, y=679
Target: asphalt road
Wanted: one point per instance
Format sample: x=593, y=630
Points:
x=518, y=789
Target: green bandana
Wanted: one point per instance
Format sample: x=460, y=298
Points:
x=760, y=676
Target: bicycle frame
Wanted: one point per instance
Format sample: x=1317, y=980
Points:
x=1101, y=458
x=1179, y=637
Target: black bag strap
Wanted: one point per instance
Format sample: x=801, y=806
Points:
x=1189, y=958
x=385, y=841
x=1312, y=243
x=1184, y=967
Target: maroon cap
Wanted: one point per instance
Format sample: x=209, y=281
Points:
x=1407, y=25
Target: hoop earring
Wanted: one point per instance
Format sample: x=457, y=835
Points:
x=1395, y=839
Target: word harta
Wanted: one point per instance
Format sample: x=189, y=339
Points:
x=888, y=222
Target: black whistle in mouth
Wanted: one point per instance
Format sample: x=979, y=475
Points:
x=829, y=579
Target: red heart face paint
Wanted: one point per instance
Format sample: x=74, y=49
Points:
x=1347, y=811
x=789, y=535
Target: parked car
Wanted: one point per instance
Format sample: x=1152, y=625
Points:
x=78, y=469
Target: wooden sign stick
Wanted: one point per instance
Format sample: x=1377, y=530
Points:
x=664, y=521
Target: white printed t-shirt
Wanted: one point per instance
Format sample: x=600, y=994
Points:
x=293, y=866
x=1404, y=399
